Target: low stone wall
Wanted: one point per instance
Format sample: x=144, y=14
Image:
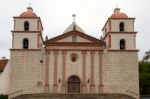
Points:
x=72, y=96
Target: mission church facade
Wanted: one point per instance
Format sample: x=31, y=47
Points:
x=74, y=62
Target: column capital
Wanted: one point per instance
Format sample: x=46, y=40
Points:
x=56, y=52
x=84, y=52
x=100, y=52
x=64, y=52
x=92, y=52
x=47, y=52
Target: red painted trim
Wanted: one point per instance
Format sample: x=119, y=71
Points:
x=73, y=44
x=47, y=71
x=74, y=33
x=109, y=41
x=38, y=25
x=134, y=41
x=38, y=41
x=64, y=68
x=122, y=18
x=101, y=75
x=116, y=19
x=26, y=31
x=92, y=67
x=25, y=49
x=55, y=66
x=123, y=50
x=118, y=33
x=14, y=24
x=29, y=32
x=12, y=40
x=72, y=50
x=30, y=18
x=16, y=17
x=84, y=67
x=109, y=25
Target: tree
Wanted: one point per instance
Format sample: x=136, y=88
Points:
x=147, y=56
x=3, y=96
x=144, y=74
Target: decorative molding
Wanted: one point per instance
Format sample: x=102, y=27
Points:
x=74, y=33
x=110, y=26
x=16, y=17
x=75, y=48
x=92, y=67
x=24, y=49
x=55, y=66
x=64, y=67
x=15, y=31
x=46, y=87
x=124, y=50
x=118, y=32
x=84, y=86
x=73, y=44
x=109, y=41
x=116, y=19
x=12, y=40
x=101, y=75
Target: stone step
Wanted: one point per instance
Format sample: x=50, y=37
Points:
x=72, y=96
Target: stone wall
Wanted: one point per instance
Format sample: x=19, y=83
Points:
x=73, y=96
x=121, y=73
x=27, y=74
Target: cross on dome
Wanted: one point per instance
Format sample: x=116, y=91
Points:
x=74, y=26
x=74, y=16
x=29, y=4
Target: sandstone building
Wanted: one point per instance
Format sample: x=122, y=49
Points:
x=74, y=62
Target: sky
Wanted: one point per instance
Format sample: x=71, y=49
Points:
x=91, y=15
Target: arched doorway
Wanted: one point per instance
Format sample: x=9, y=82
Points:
x=73, y=84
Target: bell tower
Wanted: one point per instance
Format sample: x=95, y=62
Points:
x=121, y=55
x=119, y=33
x=26, y=73
x=27, y=33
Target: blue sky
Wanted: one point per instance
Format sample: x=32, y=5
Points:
x=56, y=16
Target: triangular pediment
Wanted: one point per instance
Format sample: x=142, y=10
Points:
x=74, y=37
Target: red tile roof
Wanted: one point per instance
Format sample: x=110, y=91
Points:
x=28, y=13
x=3, y=63
x=118, y=14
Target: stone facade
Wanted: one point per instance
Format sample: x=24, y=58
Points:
x=74, y=61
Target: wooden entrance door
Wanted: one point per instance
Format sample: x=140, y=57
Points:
x=73, y=84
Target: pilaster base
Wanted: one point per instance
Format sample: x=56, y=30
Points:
x=92, y=88
x=84, y=88
x=46, y=88
x=64, y=88
x=55, y=88
x=101, y=89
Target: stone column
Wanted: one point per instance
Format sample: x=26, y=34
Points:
x=84, y=85
x=55, y=85
x=101, y=85
x=64, y=90
x=46, y=86
x=92, y=85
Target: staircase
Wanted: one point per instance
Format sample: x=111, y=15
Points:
x=72, y=96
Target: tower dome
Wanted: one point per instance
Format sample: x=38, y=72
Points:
x=28, y=13
x=118, y=14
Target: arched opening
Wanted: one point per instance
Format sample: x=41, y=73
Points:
x=25, y=43
x=109, y=41
x=121, y=26
x=73, y=84
x=26, y=26
x=122, y=44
